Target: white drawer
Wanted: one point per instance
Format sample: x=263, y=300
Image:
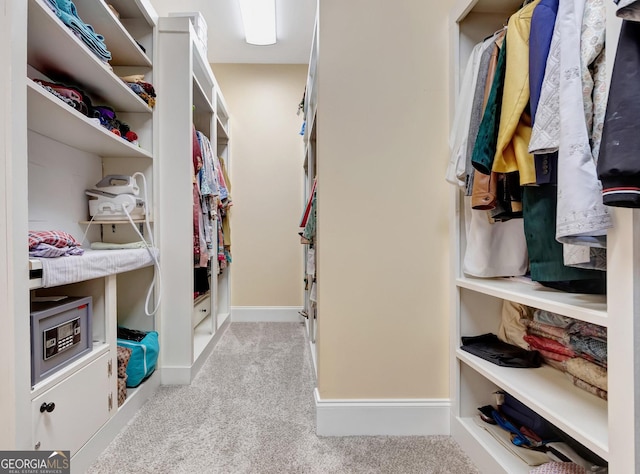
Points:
x=201, y=309
x=81, y=407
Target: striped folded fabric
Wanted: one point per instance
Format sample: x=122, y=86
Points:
x=55, y=238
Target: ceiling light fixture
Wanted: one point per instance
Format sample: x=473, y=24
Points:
x=259, y=18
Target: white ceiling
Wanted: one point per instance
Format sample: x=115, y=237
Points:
x=226, y=44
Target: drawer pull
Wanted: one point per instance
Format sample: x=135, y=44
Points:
x=48, y=407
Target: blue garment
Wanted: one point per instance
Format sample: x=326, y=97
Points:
x=542, y=23
x=67, y=12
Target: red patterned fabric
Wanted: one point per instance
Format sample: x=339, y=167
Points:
x=546, y=344
x=55, y=238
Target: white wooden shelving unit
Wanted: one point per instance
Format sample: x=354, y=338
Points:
x=606, y=428
x=191, y=97
x=310, y=174
x=53, y=155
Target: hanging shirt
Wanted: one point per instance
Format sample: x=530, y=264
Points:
x=458, y=139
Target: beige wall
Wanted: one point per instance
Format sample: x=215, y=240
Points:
x=266, y=169
x=382, y=199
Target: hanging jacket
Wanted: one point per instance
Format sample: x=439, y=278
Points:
x=515, y=123
x=618, y=164
x=581, y=216
x=543, y=22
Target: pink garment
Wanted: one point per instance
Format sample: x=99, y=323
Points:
x=548, y=355
x=536, y=328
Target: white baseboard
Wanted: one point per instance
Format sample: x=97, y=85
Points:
x=265, y=314
x=413, y=417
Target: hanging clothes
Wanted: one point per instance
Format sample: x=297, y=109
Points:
x=581, y=218
x=618, y=165
x=484, y=192
x=545, y=134
x=515, y=123
x=459, y=136
x=493, y=249
x=486, y=71
x=628, y=10
x=226, y=222
x=542, y=25
x=196, y=164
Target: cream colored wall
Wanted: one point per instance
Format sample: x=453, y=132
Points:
x=266, y=169
x=382, y=199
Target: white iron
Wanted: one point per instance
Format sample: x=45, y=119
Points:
x=114, y=195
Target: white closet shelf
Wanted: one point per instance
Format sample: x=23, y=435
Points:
x=222, y=130
x=200, y=99
x=51, y=117
x=507, y=7
x=551, y=394
x=124, y=49
x=202, y=69
x=487, y=447
x=222, y=116
x=310, y=128
x=135, y=10
x=55, y=51
x=589, y=308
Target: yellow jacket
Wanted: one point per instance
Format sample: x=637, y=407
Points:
x=514, y=131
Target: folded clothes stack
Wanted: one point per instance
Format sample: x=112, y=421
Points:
x=143, y=89
x=574, y=347
x=79, y=100
x=53, y=243
x=66, y=11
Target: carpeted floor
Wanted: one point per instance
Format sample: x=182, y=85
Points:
x=250, y=410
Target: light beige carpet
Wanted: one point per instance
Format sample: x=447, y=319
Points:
x=250, y=410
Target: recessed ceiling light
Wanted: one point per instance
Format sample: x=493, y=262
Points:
x=259, y=18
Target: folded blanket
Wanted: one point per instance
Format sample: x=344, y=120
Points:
x=588, y=329
x=111, y=246
x=547, y=330
x=591, y=347
x=553, y=319
x=588, y=387
x=588, y=371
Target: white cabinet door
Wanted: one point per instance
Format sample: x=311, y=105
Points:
x=81, y=406
x=201, y=310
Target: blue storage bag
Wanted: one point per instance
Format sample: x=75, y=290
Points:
x=144, y=356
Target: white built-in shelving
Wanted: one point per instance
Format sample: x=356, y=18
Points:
x=310, y=108
x=605, y=428
x=192, y=99
x=54, y=154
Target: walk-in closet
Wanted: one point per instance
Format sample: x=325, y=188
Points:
x=394, y=237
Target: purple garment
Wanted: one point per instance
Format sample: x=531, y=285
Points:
x=49, y=251
x=542, y=22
